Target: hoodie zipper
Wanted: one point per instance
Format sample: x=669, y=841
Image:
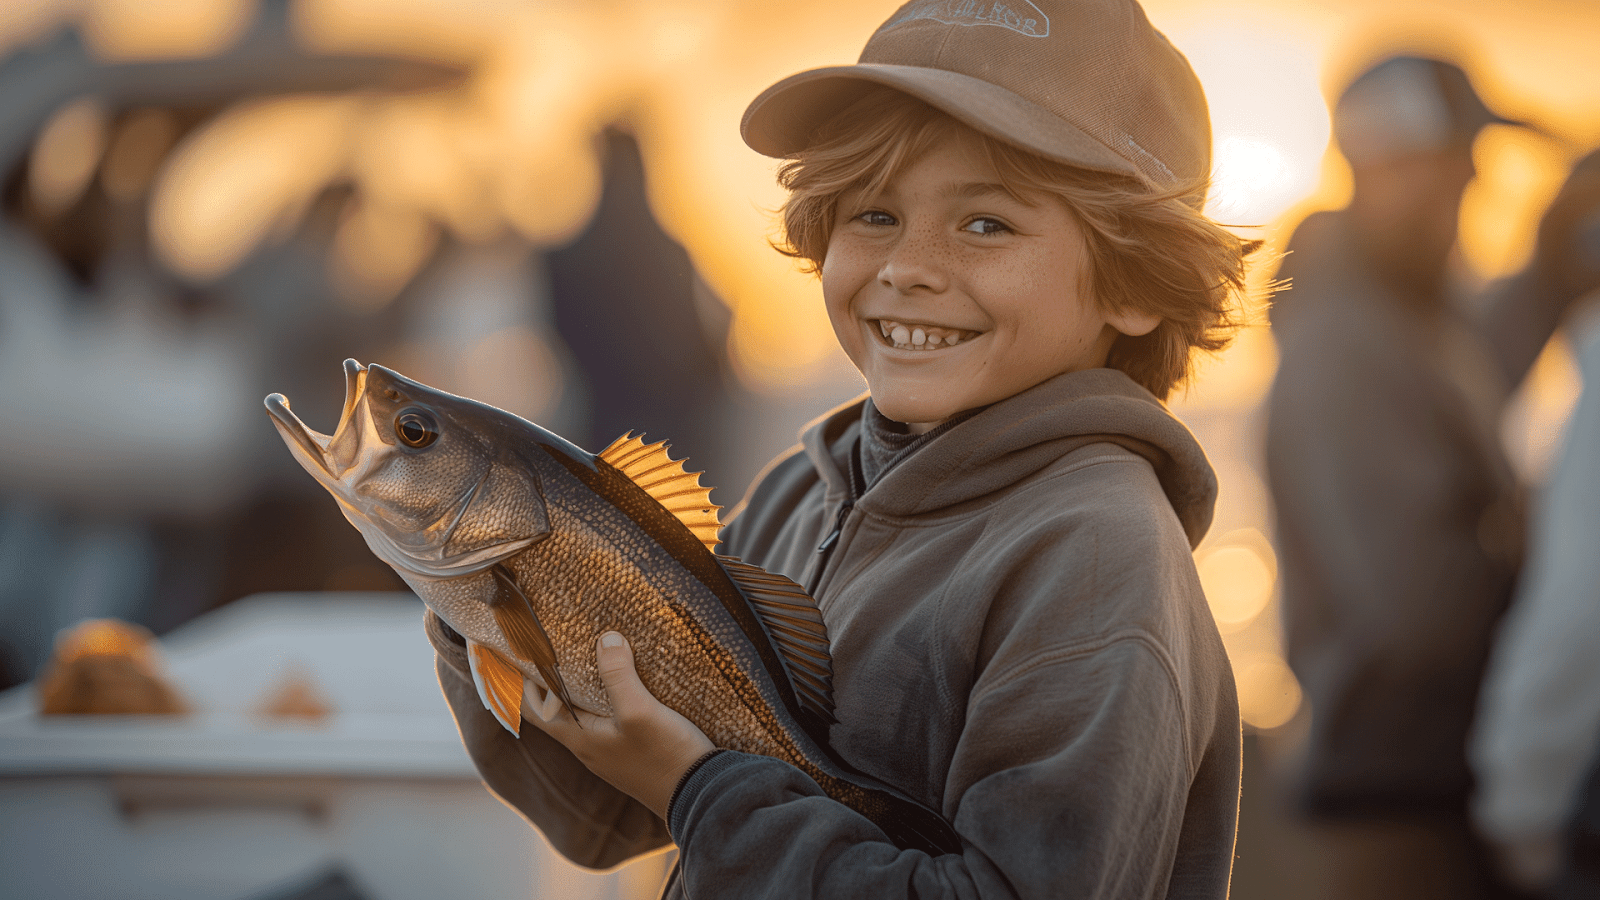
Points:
x=825, y=549
x=858, y=487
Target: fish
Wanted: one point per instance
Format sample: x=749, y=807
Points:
x=531, y=547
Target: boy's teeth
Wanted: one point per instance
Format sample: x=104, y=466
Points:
x=921, y=337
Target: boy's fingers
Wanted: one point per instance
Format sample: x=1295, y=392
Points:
x=532, y=697
x=550, y=706
x=539, y=705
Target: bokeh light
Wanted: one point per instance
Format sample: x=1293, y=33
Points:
x=1269, y=695
x=1238, y=573
x=251, y=172
x=66, y=153
x=378, y=248
x=1269, y=125
x=171, y=29
x=514, y=369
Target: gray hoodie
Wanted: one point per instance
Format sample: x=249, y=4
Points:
x=1019, y=641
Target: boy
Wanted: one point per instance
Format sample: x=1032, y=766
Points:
x=1003, y=212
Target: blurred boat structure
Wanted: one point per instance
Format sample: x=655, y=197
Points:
x=137, y=454
x=37, y=81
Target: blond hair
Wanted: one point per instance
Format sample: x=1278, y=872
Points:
x=1149, y=251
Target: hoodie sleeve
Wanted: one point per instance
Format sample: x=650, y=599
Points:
x=586, y=819
x=1098, y=758
x=1100, y=815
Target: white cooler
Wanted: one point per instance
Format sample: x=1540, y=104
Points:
x=225, y=805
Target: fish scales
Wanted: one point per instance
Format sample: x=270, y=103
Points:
x=530, y=548
x=608, y=560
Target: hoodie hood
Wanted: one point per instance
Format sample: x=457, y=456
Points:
x=1020, y=436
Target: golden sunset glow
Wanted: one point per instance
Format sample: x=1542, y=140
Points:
x=514, y=148
x=509, y=154
x=1268, y=132
x=138, y=29
x=251, y=172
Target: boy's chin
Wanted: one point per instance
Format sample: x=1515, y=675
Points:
x=914, y=414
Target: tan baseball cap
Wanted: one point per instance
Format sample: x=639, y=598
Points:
x=1086, y=82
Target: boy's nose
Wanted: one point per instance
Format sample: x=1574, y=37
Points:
x=914, y=262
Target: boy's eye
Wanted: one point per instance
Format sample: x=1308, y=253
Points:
x=876, y=217
x=985, y=225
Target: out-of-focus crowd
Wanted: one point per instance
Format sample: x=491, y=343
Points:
x=1442, y=640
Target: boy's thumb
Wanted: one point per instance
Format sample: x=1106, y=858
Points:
x=617, y=674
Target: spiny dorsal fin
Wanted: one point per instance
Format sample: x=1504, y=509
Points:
x=797, y=630
x=664, y=478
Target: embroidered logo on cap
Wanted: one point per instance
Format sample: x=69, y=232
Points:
x=1022, y=17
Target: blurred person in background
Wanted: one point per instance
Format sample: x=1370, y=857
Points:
x=642, y=326
x=1539, y=714
x=1398, y=513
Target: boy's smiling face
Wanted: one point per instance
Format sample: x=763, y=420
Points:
x=948, y=293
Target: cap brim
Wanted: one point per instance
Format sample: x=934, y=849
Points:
x=783, y=120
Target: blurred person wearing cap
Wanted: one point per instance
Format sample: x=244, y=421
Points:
x=1535, y=745
x=1398, y=514
x=1002, y=202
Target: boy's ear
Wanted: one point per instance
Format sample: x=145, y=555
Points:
x=1132, y=322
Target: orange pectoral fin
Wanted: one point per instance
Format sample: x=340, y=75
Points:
x=499, y=685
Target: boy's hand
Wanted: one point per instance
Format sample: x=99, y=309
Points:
x=643, y=749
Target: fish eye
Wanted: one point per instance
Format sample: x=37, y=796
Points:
x=415, y=428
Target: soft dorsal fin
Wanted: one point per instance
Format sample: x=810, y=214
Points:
x=664, y=478
x=798, y=632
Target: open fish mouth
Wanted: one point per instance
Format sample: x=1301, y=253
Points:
x=413, y=539
x=314, y=449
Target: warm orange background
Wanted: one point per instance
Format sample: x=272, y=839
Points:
x=510, y=151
